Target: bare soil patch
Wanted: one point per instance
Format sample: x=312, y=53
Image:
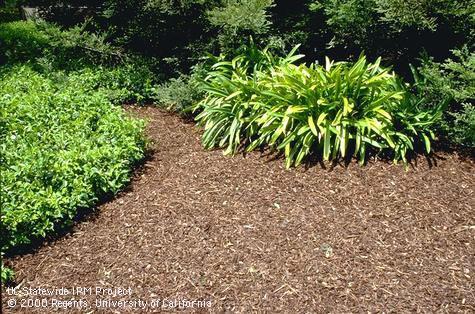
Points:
x=251, y=236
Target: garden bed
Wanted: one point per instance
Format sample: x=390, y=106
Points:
x=249, y=235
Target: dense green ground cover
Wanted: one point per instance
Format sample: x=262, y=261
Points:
x=65, y=144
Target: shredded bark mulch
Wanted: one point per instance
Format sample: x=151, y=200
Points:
x=250, y=236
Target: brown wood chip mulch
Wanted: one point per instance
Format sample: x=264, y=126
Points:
x=250, y=236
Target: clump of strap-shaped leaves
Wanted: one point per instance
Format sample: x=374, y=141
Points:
x=259, y=99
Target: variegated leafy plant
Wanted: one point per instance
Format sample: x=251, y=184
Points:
x=333, y=110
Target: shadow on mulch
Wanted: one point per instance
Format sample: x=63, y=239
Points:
x=316, y=160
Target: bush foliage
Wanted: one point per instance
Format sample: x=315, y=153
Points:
x=184, y=30
x=178, y=94
x=453, y=80
x=25, y=41
x=179, y=32
x=391, y=27
x=50, y=50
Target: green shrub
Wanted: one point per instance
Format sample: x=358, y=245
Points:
x=239, y=15
x=75, y=46
x=462, y=130
x=185, y=30
x=300, y=109
x=391, y=27
x=182, y=30
x=453, y=80
x=24, y=41
x=178, y=94
x=21, y=41
x=9, y=14
x=237, y=19
x=74, y=52
x=63, y=147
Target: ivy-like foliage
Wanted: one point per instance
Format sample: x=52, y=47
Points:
x=63, y=147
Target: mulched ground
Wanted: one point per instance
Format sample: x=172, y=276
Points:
x=251, y=236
